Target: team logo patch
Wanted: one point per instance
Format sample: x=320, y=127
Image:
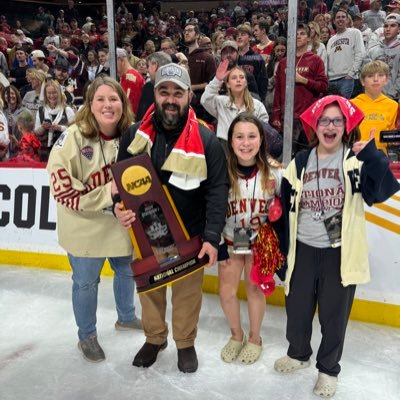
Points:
x=87, y=152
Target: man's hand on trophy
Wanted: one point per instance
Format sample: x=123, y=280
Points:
x=211, y=251
x=125, y=217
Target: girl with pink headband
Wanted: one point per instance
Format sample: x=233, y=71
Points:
x=323, y=193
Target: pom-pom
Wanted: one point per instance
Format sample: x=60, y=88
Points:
x=267, y=258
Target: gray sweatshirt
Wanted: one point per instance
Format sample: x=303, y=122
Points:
x=345, y=54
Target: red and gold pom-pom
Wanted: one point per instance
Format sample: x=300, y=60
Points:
x=267, y=258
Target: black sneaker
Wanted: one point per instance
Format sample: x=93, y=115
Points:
x=147, y=355
x=91, y=349
x=187, y=359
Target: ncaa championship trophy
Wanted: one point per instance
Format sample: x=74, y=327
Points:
x=163, y=248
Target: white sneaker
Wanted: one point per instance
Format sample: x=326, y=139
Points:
x=288, y=364
x=326, y=385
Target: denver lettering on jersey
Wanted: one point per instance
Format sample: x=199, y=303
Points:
x=69, y=197
x=241, y=206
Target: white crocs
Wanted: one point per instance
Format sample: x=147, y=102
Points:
x=288, y=364
x=326, y=385
x=232, y=349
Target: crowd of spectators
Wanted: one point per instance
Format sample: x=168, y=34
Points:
x=46, y=65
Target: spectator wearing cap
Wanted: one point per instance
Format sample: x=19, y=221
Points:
x=374, y=17
x=127, y=46
x=392, y=8
x=358, y=23
x=86, y=26
x=154, y=62
x=18, y=74
x=230, y=52
x=103, y=25
x=71, y=12
x=173, y=27
x=251, y=61
x=202, y=67
x=202, y=207
x=217, y=39
x=264, y=45
x=387, y=50
x=345, y=55
x=131, y=80
x=39, y=60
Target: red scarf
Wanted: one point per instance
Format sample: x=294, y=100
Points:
x=186, y=161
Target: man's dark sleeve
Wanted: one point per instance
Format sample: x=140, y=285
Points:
x=216, y=191
x=126, y=140
x=262, y=79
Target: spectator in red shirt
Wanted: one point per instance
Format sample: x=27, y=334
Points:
x=131, y=80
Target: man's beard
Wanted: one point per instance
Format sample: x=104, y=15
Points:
x=190, y=42
x=172, y=121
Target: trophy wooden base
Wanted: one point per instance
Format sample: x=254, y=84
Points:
x=152, y=276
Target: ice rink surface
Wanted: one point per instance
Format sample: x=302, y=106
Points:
x=39, y=359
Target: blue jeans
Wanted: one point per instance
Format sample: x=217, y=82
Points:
x=86, y=277
x=343, y=87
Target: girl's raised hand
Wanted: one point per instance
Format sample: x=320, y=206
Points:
x=358, y=146
x=222, y=70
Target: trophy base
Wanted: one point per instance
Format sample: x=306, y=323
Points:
x=153, y=274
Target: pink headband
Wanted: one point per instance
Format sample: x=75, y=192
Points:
x=310, y=117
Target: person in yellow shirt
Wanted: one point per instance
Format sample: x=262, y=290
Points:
x=380, y=111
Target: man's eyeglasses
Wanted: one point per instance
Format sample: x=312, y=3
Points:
x=325, y=121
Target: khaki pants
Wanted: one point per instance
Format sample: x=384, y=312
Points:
x=186, y=305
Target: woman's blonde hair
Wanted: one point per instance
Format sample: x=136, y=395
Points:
x=61, y=97
x=248, y=99
x=85, y=119
x=36, y=74
x=315, y=41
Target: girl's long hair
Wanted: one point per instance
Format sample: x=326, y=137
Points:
x=264, y=161
x=273, y=60
x=248, y=99
x=315, y=41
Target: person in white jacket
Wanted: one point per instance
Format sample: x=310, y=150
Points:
x=387, y=49
x=226, y=107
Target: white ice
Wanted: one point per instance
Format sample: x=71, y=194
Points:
x=39, y=359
